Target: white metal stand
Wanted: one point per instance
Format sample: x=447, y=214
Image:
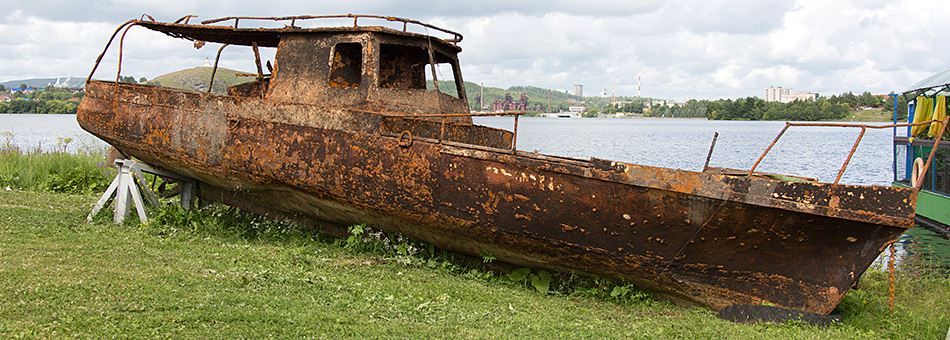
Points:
x=126, y=185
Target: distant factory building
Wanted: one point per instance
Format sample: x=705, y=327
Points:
x=509, y=104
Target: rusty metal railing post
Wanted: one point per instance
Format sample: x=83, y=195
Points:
x=858, y=141
x=118, y=73
x=711, y=147
x=514, y=137
x=215, y=69
x=104, y=50
x=848, y=160
x=442, y=131
x=260, y=69
x=751, y=171
x=933, y=150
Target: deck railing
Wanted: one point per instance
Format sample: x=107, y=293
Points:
x=858, y=141
x=456, y=37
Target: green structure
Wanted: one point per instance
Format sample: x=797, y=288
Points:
x=913, y=146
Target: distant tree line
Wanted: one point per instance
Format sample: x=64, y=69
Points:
x=39, y=106
x=837, y=107
x=865, y=99
x=627, y=107
x=607, y=108
x=753, y=108
x=50, y=100
x=692, y=109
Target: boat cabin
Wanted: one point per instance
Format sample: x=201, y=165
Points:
x=371, y=68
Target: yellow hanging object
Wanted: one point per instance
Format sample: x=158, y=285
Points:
x=940, y=112
x=922, y=112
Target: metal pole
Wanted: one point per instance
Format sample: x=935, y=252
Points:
x=260, y=70
x=514, y=138
x=708, y=156
x=853, y=148
x=893, y=144
x=215, y=69
x=933, y=150
x=787, y=124
x=442, y=130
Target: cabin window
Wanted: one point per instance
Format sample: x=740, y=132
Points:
x=402, y=67
x=407, y=67
x=446, y=75
x=346, y=67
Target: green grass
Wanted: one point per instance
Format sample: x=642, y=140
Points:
x=875, y=115
x=220, y=273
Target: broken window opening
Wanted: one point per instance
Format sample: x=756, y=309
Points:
x=249, y=84
x=446, y=77
x=402, y=67
x=407, y=67
x=346, y=68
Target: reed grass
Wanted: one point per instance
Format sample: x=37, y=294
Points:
x=57, y=171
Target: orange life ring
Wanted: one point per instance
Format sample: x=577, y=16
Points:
x=915, y=175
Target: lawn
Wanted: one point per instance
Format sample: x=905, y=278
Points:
x=220, y=273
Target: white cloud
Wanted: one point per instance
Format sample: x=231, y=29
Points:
x=709, y=49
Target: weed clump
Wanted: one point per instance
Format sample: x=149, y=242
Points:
x=54, y=171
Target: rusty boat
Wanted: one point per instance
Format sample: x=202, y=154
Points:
x=369, y=123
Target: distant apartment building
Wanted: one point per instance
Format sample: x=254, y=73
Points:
x=579, y=90
x=784, y=95
x=778, y=94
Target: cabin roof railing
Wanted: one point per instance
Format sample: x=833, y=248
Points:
x=456, y=37
x=260, y=36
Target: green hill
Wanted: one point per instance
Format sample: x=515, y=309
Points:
x=560, y=101
x=198, y=78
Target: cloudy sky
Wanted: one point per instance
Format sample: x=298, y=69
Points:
x=706, y=49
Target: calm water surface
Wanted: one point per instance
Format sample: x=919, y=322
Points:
x=813, y=152
x=676, y=143
x=39, y=131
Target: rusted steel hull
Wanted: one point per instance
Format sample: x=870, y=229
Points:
x=702, y=238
